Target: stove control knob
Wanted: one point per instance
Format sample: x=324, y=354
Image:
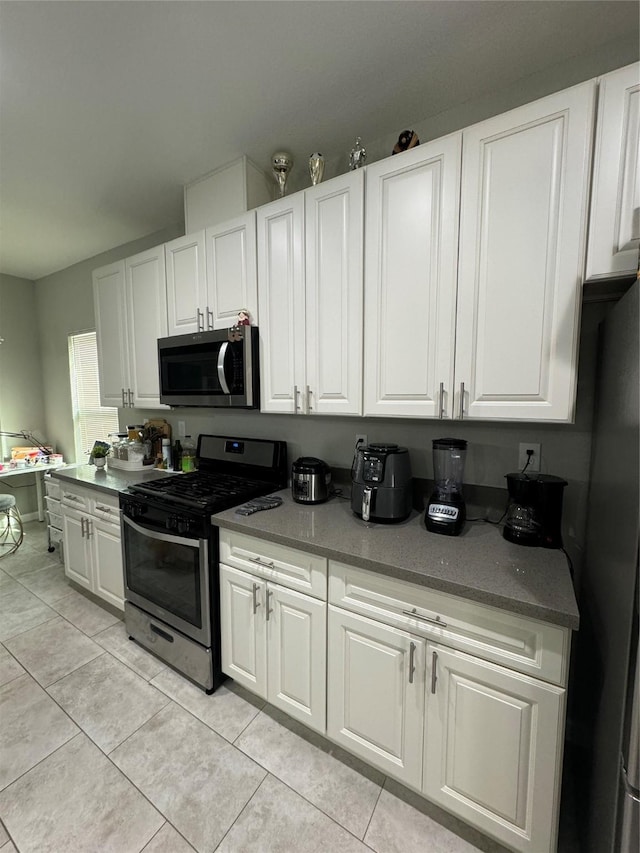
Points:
x=172, y=522
x=183, y=525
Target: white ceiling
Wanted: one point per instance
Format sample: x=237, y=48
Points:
x=108, y=108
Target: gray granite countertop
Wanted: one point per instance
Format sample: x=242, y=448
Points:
x=479, y=564
x=105, y=479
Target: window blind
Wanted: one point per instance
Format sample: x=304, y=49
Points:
x=91, y=421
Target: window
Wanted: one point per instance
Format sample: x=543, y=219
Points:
x=91, y=421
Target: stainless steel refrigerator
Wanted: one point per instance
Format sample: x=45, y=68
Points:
x=608, y=677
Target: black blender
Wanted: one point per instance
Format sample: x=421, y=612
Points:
x=446, y=512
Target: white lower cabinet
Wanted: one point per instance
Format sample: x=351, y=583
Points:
x=460, y=701
x=92, y=553
x=376, y=693
x=493, y=748
x=273, y=639
x=482, y=739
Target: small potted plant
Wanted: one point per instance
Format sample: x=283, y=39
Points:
x=99, y=453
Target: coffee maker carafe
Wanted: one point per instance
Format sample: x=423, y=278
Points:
x=534, y=514
x=446, y=511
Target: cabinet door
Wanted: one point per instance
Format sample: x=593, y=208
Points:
x=376, y=693
x=232, y=274
x=186, y=284
x=411, y=242
x=77, y=556
x=297, y=641
x=614, y=227
x=525, y=178
x=110, y=308
x=493, y=748
x=281, y=299
x=147, y=316
x=243, y=629
x=108, y=574
x=334, y=295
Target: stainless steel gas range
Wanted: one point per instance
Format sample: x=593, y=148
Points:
x=170, y=549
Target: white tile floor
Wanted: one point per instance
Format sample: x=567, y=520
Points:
x=103, y=749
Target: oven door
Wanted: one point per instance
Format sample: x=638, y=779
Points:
x=168, y=577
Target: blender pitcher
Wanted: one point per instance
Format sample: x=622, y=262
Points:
x=446, y=511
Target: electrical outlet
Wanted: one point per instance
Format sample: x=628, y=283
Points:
x=182, y=431
x=534, y=464
x=361, y=440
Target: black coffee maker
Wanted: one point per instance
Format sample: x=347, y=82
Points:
x=534, y=514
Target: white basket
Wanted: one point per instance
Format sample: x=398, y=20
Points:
x=125, y=465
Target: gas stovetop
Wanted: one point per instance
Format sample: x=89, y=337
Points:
x=232, y=471
x=204, y=491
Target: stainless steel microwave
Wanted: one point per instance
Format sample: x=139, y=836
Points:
x=218, y=368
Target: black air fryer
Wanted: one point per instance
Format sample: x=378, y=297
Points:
x=381, y=483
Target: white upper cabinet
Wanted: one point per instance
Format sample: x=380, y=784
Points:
x=411, y=242
x=232, y=277
x=281, y=299
x=212, y=276
x=110, y=307
x=310, y=299
x=525, y=179
x=614, y=228
x=186, y=284
x=147, y=321
x=333, y=265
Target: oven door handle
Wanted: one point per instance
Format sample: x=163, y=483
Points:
x=162, y=537
x=221, y=376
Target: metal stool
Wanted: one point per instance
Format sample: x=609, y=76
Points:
x=11, y=529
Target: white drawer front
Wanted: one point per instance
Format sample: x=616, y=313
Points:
x=55, y=519
x=283, y=565
x=106, y=507
x=526, y=645
x=76, y=498
x=52, y=487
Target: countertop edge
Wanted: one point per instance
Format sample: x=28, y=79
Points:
x=543, y=614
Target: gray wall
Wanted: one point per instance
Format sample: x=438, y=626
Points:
x=21, y=383
x=493, y=448
x=68, y=297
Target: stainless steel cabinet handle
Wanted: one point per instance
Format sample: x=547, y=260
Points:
x=266, y=563
x=103, y=508
x=412, y=654
x=269, y=594
x=430, y=619
x=123, y=400
x=130, y=393
x=441, y=401
x=308, y=399
x=209, y=319
x=461, y=400
x=221, y=377
x=295, y=399
x=434, y=667
x=89, y=528
x=366, y=502
x=199, y=320
x=83, y=521
x=254, y=592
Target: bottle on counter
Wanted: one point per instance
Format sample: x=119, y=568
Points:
x=166, y=453
x=177, y=455
x=188, y=454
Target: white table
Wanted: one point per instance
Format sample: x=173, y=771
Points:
x=38, y=471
